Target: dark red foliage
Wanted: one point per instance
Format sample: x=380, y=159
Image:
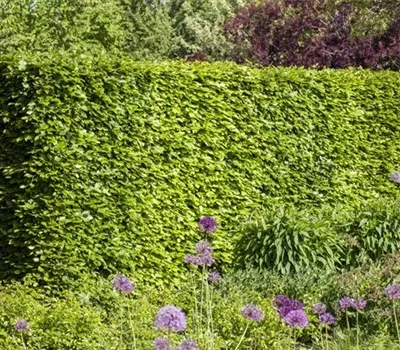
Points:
x=306, y=33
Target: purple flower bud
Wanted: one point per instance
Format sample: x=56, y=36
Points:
x=326, y=319
x=170, y=318
x=252, y=312
x=208, y=224
x=21, y=326
x=122, y=283
x=319, y=308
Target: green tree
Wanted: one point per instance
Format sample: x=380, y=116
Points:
x=78, y=25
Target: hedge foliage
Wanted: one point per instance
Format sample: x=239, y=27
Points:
x=106, y=164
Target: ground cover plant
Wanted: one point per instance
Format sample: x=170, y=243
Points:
x=244, y=309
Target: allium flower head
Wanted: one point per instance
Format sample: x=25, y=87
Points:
x=393, y=291
x=213, y=277
x=204, y=248
x=122, y=283
x=188, y=344
x=281, y=300
x=170, y=318
x=360, y=303
x=162, y=344
x=206, y=259
x=326, y=319
x=319, y=308
x=347, y=302
x=208, y=224
x=21, y=326
x=252, y=312
x=192, y=259
x=395, y=177
x=296, y=319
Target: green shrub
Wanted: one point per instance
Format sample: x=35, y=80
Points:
x=106, y=164
x=287, y=240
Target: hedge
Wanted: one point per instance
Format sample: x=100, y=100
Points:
x=106, y=164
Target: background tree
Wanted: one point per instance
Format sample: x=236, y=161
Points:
x=75, y=25
x=313, y=33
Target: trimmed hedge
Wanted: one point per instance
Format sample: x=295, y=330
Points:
x=106, y=164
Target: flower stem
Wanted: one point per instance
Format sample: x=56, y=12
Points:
x=243, y=335
x=202, y=292
x=347, y=321
x=121, y=317
x=358, y=332
x=23, y=341
x=132, y=328
x=395, y=321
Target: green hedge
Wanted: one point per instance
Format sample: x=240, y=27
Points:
x=106, y=164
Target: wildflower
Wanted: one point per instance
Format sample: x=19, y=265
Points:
x=360, y=303
x=281, y=300
x=122, y=283
x=393, y=291
x=296, y=319
x=21, y=326
x=188, y=344
x=395, y=177
x=203, y=248
x=213, y=277
x=162, y=344
x=346, y=302
x=319, y=308
x=252, y=312
x=326, y=319
x=170, y=318
x=208, y=224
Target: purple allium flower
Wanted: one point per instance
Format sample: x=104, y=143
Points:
x=252, y=312
x=193, y=260
x=326, y=319
x=21, y=326
x=360, y=303
x=347, y=302
x=296, y=319
x=393, y=291
x=319, y=308
x=204, y=248
x=213, y=277
x=162, y=344
x=206, y=259
x=281, y=300
x=188, y=344
x=208, y=224
x=290, y=306
x=122, y=283
x=170, y=318
x=395, y=177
